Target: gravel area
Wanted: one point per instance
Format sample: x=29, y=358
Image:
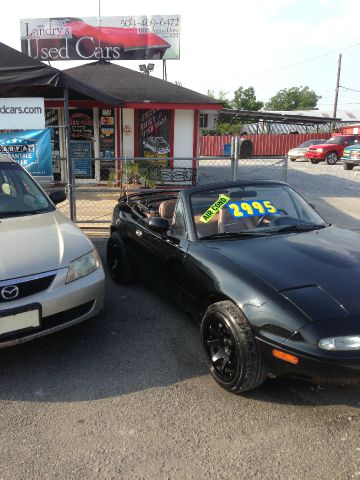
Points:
x=324, y=180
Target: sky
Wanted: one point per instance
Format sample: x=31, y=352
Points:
x=267, y=44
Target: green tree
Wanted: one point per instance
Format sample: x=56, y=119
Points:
x=245, y=99
x=295, y=98
x=221, y=96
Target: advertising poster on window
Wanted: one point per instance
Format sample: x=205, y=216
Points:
x=107, y=133
x=145, y=37
x=80, y=153
x=52, y=122
x=31, y=149
x=154, y=128
x=82, y=124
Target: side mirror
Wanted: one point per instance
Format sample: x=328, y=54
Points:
x=159, y=224
x=57, y=196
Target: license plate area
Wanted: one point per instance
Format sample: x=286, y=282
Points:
x=18, y=319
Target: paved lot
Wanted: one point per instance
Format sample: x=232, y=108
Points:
x=128, y=396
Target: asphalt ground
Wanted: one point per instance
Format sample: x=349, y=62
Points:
x=127, y=395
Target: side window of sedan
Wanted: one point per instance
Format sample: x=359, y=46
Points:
x=179, y=226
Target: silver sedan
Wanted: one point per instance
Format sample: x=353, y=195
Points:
x=51, y=275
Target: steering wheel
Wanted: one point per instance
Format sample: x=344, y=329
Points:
x=267, y=218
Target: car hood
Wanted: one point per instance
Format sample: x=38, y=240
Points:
x=297, y=151
x=327, y=258
x=324, y=145
x=39, y=243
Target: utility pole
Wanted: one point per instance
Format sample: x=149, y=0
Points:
x=337, y=85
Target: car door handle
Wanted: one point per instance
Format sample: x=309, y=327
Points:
x=138, y=232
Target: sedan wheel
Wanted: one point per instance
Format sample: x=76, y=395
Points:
x=230, y=349
x=314, y=161
x=331, y=158
x=347, y=166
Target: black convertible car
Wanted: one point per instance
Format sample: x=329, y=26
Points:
x=275, y=287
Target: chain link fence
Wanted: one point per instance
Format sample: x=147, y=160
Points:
x=99, y=182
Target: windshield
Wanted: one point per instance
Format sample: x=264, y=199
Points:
x=339, y=140
x=248, y=210
x=309, y=143
x=19, y=194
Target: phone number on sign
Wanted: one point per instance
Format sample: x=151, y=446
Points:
x=173, y=22
x=251, y=209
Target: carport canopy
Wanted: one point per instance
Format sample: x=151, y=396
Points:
x=22, y=76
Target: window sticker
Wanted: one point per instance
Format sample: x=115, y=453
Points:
x=254, y=208
x=215, y=207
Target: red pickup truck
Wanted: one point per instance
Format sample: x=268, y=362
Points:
x=331, y=150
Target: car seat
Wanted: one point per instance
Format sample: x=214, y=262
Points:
x=167, y=208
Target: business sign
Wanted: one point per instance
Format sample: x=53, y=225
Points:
x=31, y=149
x=22, y=113
x=149, y=37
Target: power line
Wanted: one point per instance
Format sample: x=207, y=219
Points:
x=290, y=64
x=350, y=89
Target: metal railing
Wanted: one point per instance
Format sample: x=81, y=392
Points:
x=100, y=182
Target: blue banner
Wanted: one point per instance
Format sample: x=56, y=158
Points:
x=31, y=149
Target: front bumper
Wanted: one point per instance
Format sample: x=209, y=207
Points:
x=61, y=305
x=351, y=161
x=320, y=366
x=316, y=155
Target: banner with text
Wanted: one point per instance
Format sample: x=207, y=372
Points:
x=147, y=37
x=22, y=113
x=31, y=149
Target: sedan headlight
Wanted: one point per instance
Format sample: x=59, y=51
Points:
x=351, y=342
x=82, y=266
x=320, y=150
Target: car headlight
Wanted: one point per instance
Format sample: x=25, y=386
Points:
x=319, y=150
x=351, y=342
x=82, y=266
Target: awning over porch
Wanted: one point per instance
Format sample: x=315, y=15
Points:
x=22, y=76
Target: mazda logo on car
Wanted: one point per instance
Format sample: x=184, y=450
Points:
x=9, y=292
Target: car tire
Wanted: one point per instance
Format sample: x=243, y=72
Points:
x=117, y=260
x=347, y=166
x=230, y=348
x=331, y=158
x=314, y=161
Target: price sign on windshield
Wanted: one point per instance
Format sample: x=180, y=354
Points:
x=254, y=208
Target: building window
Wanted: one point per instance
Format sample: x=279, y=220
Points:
x=203, y=119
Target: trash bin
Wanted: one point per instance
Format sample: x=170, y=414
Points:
x=245, y=148
x=227, y=149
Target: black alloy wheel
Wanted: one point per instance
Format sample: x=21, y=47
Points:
x=314, y=161
x=230, y=348
x=348, y=166
x=220, y=349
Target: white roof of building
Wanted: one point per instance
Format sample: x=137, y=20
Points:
x=352, y=116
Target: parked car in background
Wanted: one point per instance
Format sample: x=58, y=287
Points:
x=298, y=153
x=331, y=150
x=51, y=276
x=274, y=287
x=351, y=156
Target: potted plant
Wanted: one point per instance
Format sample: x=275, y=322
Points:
x=145, y=173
